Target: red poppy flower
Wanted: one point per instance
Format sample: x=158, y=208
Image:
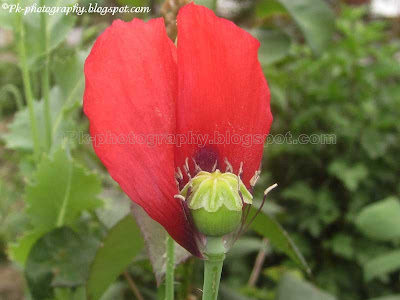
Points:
x=154, y=108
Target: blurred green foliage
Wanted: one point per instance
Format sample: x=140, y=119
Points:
x=351, y=91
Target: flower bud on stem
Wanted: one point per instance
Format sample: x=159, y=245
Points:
x=216, y=203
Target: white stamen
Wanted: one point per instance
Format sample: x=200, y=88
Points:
x=180, y=197
x=255, y=178
x=229, y=167
x=196, y=166
x=270, y=189
x=240, y=169
x=215, y=165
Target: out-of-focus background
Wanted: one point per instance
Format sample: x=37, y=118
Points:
x=333, y=68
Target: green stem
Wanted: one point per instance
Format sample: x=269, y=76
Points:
x=215, y=255
x=45, y=76
x=27, y=85
x=169, y=275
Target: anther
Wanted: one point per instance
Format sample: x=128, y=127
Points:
x=240, y=169
x=178, y=174
x=180, y=197
x=229, y=167
x=196, y=166
x=215, y=165
x=255, y=178
x=186, y=168
x=270, y=189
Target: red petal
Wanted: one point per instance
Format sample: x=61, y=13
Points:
x=221, y=90
x=131, y=87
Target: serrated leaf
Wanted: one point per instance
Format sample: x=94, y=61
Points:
x=293, y=288
x=155, y=237
x=122, y=243
x=315, y=19
x=381, y=220
x=19, y=136
x=59, y=25
x=19, y=250
x=382, y=265
x=62, y=190
x=278, y=237
x=61, y=258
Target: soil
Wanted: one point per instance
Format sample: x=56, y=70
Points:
x=11, y=283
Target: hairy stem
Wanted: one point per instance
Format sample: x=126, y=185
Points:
x=169, y=275
x=27, y=84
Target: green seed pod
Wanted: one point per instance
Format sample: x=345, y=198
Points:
x=215, y=202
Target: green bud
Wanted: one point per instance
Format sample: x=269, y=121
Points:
x=215, y=203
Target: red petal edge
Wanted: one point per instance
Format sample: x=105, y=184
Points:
x=221, y=92
x=131, y=87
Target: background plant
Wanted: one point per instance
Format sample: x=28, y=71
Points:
x=64, y=221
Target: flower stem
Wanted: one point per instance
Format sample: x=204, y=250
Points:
x=27, y=84
x=169, y=275
x=215, y=254
x=45, y=77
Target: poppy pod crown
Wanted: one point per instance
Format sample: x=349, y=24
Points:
x=161, y=114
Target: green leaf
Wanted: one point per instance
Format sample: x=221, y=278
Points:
x=375, y=143
x=351, y=176
x=68, y=72
x=245, y=246
x=278, y=237
x=268, y=8
x=382, y=265
x=19, y=250
x=391, y=297
x=61, y=258
x=294, y=288
x=62, y=293
x=381, y=220
x=275, y=45
x=7, y=19
x=122, y=243
x=342, y=245
x=207, y=3
x=19, y=136
x=227, y=293
x=155, y=237
x=315, y=19
x=62, y=190
x=116, y=206
x=59, y=25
